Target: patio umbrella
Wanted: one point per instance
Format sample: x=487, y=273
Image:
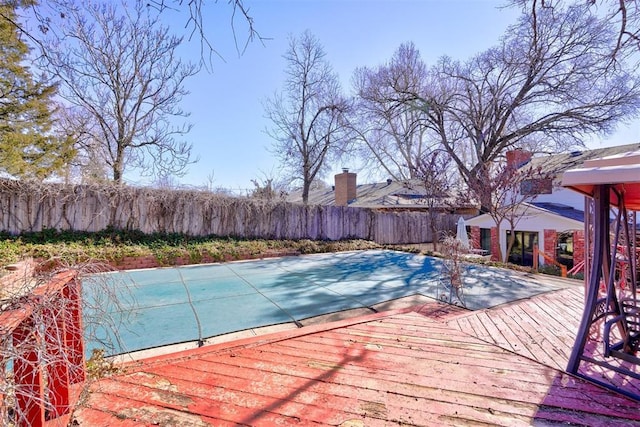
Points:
x=461, y=233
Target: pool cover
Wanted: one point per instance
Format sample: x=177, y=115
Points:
x=140, y=309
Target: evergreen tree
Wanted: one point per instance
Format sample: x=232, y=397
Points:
x=28, y=146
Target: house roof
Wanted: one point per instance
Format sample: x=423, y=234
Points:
x=556, y=164
x=560, y=209
x=391, y=194
x=567, y=216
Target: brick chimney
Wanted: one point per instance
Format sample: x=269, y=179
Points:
x=345, y=188
x=518, y=157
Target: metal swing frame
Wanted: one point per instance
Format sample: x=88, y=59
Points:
x=606, y=350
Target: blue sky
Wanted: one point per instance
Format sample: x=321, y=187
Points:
x=226, y=104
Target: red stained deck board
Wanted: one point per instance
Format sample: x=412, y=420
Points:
x=325, y=398
x=561, y=305
x=402, y=407
x=495, y=334
x=439, y=310
x=100, y=418
x=549, y=320
x=436, y=371
x=532, y=335
x=559, y=323
x=389, y=353
x=122, y=409
x=544, y=326
x=239, y=407
x=375, y=370
x=345, y=394
x=506, y=321
x=478, y=329
x=539, y=344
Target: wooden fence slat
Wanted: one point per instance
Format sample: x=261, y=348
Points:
x=32, y=208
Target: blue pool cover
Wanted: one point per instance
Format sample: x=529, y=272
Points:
x=134, y=310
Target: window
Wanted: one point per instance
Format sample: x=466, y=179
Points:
x=564, y=251
x=485, y=239
x=533, y=187
x=522, y=251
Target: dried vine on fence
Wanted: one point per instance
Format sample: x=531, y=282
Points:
x=32, y=207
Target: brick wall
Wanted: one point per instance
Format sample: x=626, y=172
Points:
x=475, y=237
x=517, y=157
x=495, y=250
x=550, y=244
x=578, y=246
x=345, y=188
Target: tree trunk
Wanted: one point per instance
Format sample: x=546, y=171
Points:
x=305, y=192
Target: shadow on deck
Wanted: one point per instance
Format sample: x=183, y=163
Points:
x=428, y=365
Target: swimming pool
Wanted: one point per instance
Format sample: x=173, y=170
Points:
x=162, y=306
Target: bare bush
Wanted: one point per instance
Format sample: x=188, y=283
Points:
x=43, y=331
x=453, y=251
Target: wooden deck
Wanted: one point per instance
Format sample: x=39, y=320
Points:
x=541, y=328
x=433, y=365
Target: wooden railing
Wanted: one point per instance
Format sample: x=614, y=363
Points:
x=42, y=344
x=537, y=251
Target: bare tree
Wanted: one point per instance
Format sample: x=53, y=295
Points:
x=547, y=85
x=391, y=133
x=308, y=116
x=625, y=16
x=511, y=189
x=268, y=187
x=119, y=67
x=50, y=15
x=440, y=190
x=622, y=15
x=197, y=25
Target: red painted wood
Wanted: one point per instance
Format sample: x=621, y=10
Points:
x=541, y=328
x=47, y=349
x=74, y=342
x=28, y=376
x=57, y=365
x=386, y=369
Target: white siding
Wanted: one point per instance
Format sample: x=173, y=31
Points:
x=533, y=220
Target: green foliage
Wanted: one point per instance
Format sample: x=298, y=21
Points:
x=73, y=247
x=98, y=366
x=577, y=276
x=28, y=147
x=551, y=270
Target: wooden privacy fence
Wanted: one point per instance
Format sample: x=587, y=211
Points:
x=30, y=207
